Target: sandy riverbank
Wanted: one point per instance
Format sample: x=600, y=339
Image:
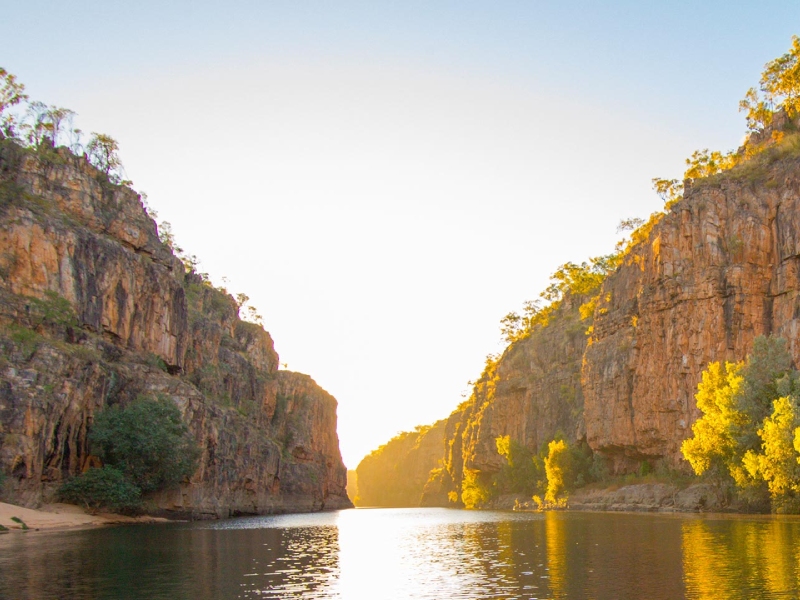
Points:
x=62, y=516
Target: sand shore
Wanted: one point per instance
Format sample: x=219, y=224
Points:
x=62, y=516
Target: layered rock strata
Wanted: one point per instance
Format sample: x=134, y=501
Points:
x=95, y=311
x=721, y=268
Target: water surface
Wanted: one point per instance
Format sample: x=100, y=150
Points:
x=413, y=553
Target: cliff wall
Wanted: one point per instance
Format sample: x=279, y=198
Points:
x=396, y=473
x=721, y=267
x=95, y=310
x=718, y=270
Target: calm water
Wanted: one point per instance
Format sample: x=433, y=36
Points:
x=413, y=553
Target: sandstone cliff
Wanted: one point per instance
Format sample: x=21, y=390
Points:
x=95, y=310
x=721, y=267
x=718, y=270
x=531, y=393
x=395, y=474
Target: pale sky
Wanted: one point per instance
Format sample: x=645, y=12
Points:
x=386, y=180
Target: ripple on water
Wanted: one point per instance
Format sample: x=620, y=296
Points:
x=413, y=553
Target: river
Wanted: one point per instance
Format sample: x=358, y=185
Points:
x=413, y=553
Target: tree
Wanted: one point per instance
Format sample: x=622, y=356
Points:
x=147, y=441
x=103, y=154
x=703, y=163
x=12, y=93
x=779, y=88
x=36, y=125
x=557, y=466
x=714, y=447
x=777, y=463
x=780, y=81
x=519, y=473
x=59, y=118
x=106, y=487
x=766, y=376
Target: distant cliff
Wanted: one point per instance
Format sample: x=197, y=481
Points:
x=719, y=268
x=395, y=474
x=95, y=310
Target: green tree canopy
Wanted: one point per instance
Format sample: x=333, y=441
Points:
x=147, y=441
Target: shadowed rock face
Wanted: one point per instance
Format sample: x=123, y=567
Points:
x=720, y=269
x=95, y=310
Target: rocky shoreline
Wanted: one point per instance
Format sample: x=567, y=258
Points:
x=636, y=497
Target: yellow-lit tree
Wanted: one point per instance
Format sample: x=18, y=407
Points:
x=557, y=466
x=777, y=463
x=714, y=447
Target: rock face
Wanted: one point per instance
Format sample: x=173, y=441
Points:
x=396, y=473
x=95, y=311
x=531, y=393
x=718, y=270
x=535, y=392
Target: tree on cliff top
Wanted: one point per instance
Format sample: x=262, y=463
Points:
x=779, y=88
x=12, y=93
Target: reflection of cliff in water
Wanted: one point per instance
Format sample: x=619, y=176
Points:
x=413, y=553
x=170, y=562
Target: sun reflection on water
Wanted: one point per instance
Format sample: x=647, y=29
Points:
x=396, y=554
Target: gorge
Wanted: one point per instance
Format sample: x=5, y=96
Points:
x=614, y=371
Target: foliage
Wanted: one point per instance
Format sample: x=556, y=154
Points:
x=779, y=87
x=749, y=433
x=102, y=488
x=569, y=279
x=53, y=310
x=558, y=465
x=42, y=128
x=154, y=360
x=27, y=339
x=669, y=190
x=103, y=153
x=714, y=447
x=147, y=441
x=474, y=491
x=12, y=93
x=521, y=473
x=777, y=464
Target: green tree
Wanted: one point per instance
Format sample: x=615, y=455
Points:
x=102, y=488
x=147, y=441
x=768, y=368
x=519, y=474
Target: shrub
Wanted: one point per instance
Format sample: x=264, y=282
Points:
x=147, y=441
x=102, y=488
